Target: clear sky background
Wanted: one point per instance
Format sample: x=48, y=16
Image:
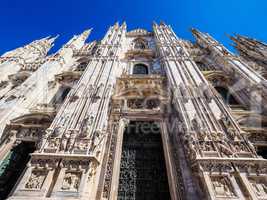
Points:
x=25, y=20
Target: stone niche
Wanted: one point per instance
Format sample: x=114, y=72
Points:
x=69, y=183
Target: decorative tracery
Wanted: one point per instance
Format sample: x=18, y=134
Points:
x=142, y=170
x=140, y=44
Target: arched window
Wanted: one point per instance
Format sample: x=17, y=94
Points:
x=226, y=95
x=140, y=44
x=140, y=69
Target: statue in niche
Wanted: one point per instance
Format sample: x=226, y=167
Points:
x=224, y=149
x=92, y=170
x=96, y=140
x=71, y=181
x=259, y=187
x=57, y=131
x=53, y=143
x=196, y=124
x=70, y=143
x=86, y=123
x=240, y=147
x=99, y=91
x=222, y=187
x=64, y=144
x=22, y=133
x=206, y=146
x=36, y=180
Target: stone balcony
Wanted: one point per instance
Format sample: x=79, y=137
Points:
x=140, y=93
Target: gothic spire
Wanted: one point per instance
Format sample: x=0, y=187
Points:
x=78, y=41
x=116, y=25
x=45, y=44
x=250, y=49
x=40, y=46
x=124, y=25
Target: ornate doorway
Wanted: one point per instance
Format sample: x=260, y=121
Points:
x=143, y=174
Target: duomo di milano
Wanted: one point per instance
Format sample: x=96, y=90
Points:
x=138, y=115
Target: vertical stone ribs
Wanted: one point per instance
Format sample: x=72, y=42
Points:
x=247, y=81
x=76, y=136
x=210, y=134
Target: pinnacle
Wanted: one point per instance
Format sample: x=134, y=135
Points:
x=124, y=24
x=52, y=40
x=86, y=33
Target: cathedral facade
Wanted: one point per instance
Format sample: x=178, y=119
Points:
x=138, y=115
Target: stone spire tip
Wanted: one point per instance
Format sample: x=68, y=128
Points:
x=52, y=39
x=116, y=24
x=124, y=24
x=85, y=34
x=154, y=23
x=162, y=23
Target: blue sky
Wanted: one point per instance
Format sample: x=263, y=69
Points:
x=25, y=20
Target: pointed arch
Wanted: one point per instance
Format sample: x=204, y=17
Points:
x=217, y=78
x=221, y=84
x=226, y=95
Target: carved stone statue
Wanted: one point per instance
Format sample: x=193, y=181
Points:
x=206, y=146
x=53, y=143
x=81, y=145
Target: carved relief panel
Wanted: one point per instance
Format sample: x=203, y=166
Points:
x=71, y=181
x=222, y=187
x=36, y=180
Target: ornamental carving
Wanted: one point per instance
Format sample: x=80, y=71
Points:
x=36, y=180
x=96, y=142
x=81, y=146
x=87, y=124
x=52, y=145
x=44, y=161
x=143, y=103
x=112, y=138
x=222, y=187
x=259, y=186
x=215, y=167
x=206, y=146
